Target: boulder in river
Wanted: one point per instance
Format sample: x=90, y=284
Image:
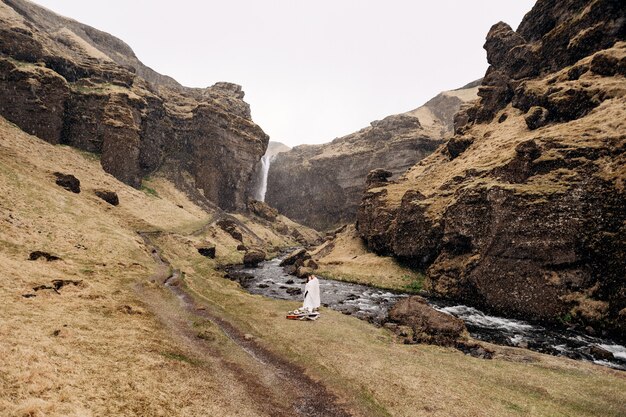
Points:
x=601, y=353
x=253, y=257
x=295, y=256
x=428, y=325
x=303, y=272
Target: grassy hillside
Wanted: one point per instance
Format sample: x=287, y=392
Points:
x=115, y=341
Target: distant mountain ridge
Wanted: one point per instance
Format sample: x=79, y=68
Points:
x=321, y=185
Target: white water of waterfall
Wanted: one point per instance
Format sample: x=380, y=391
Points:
x=266, y=160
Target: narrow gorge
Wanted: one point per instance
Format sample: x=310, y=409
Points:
x=470, y=253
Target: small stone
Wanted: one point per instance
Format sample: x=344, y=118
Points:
x=108, y=196
x=208, y=251
x=39, y=254
x=68, y=181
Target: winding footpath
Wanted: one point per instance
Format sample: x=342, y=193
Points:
x=286, y=380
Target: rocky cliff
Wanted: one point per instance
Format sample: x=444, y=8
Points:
x=71, y=84
x=321, y=185
x=524, y=210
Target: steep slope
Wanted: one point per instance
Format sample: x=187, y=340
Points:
x=101, y=335
x=87, y=327
x=523, y=211
x=68, y=83
x=321, y=185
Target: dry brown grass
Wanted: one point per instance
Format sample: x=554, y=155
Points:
x=347, y=259
x=94, y=349
x=604, y=124
x=119, y=345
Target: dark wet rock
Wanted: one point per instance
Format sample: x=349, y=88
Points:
x=208, y=251
x=428, y=325
x=294, y=291
x=298, y=255
x=230, y=226
x=458, y=144
x=290, y=269
x=253, y=257
x=68, y=181
x=536, y=117
x=601, y=353
x=241, y=277
x=303, y=272
x=263, y=285
x=108, y=196
x=377, y=177
x=40, y=254
x=474, y=349
x=290, y=281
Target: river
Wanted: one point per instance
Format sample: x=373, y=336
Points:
x=373, y=304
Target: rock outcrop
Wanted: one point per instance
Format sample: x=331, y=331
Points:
x=427, y=324
x=321, y=185
x=523, y=212
x=71, y=84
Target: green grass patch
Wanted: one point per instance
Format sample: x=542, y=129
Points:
x=149, y=191
x=414, y=285
x=179, y=357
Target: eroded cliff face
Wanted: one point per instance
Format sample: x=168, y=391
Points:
x=524, y=210
x=321, y=185
x=71, y=84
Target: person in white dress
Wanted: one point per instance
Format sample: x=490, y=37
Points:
x=312, y=294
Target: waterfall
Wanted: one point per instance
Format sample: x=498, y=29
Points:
x=266, y=160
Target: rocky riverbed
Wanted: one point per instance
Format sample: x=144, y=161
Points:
x=373, y=304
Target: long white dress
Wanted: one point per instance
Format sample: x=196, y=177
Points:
x=312, y=295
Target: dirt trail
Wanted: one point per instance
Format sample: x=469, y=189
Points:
x=282, y=381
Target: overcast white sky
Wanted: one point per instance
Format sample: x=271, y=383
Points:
x=311, y=70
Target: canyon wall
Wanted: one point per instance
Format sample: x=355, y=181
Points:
x=71, y=84
x=321, y=185
x=523, y=211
